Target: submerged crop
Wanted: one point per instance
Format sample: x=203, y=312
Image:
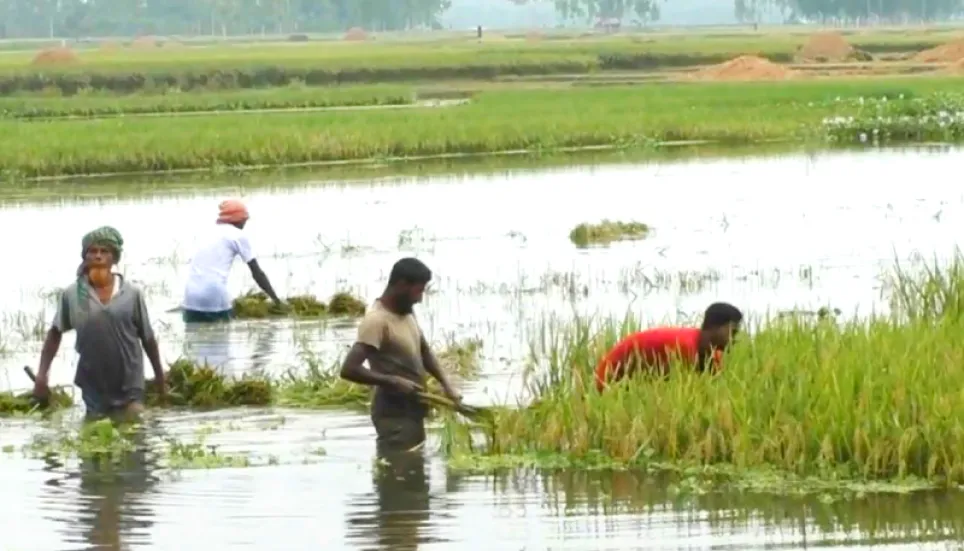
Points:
x=875, y=400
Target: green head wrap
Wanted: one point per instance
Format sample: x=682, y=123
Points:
x=106, y=236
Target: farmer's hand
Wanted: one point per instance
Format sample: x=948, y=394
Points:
x=41, y=389
x=452, y=394
x=160, y=383
x=405, y=386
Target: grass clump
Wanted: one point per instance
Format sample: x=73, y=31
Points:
x=877, y=400
x=320, y=387
x=344, y=304
x=25, y=403
x=607, y=232
x=202, y=386
x=257, y=305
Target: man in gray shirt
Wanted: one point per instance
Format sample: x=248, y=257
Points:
x=112, y=324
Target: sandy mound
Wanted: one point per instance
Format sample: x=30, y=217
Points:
x=145, y=43
x=745, y=67
x=533, y=36
x=827, y=46
x=952, y=51
x=55, y=56
x=109, y=46
x=956, y=68
x=356, y=34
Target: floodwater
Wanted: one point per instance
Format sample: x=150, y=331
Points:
x=767, y=233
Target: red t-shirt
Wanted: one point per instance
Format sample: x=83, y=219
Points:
x=654, y=348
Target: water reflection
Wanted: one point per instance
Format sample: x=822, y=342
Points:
x=208, y=343
x=114, y=496
x=401, y=483
x=874, y=519
x=222, y=345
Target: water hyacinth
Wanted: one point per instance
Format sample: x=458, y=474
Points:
x=885, y=119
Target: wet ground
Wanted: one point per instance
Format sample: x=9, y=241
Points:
x=768, y=234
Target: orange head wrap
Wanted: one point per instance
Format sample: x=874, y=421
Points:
x=232, y=211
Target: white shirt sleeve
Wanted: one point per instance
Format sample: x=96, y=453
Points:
x=244, y=249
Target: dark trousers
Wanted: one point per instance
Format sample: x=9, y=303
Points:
x=193, y=316
x=398, y=434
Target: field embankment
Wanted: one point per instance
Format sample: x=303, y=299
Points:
x=290, y=97
x=127, y=69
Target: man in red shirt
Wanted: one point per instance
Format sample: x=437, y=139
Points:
x=655, y=349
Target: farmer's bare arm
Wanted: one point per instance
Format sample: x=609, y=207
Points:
x=49, y=351
x=432, y=367
x=262, y=280
x=353, y=367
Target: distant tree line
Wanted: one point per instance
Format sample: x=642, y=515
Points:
x=74, y=18
x=77, y=18
x=854, y=11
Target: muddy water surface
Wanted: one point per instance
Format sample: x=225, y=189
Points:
x=768, y=234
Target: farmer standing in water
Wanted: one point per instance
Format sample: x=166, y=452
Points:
x=110, y=317
x=654, y=349
x=206, y=297
x=398, y=355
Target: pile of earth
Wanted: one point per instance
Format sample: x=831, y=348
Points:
x=745, y=67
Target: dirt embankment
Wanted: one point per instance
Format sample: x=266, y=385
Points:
x=945, y=53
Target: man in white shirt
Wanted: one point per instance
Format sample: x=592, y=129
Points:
x=206, y=297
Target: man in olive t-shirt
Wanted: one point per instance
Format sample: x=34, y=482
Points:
x=399, y=357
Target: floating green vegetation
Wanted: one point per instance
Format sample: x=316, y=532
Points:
x=103, y=440
x=25, y=403
x=202, y=386
x=607, y=232
x=870, y=402
x=257, y=305
x=110, y=444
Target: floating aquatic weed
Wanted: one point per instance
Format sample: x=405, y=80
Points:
x=103, y=441
x=200, y=455
x=607, y=232
x=818, y=404
x=257, y=305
